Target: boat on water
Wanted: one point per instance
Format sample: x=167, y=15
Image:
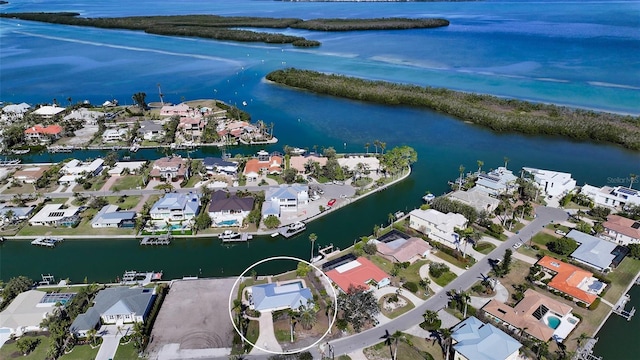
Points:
x=134, y=148
x=20, y=151
x=398, y=214
x=60, y=149
x=49, y=241
x=298, y=151
x=229, y=234
x=296, y=226
x=428, y=198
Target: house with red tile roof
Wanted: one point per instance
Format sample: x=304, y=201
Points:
x=622, y=230
x=262, y=164
x=169, y=168
x=298, y=162
x=571, y=280
x=43, y=134
x=404, y=250
x=358, y=272
x=180, y=110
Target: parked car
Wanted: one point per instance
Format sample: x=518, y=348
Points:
x=315, y=197
x=320, y=191
x=331, y=202
x=560, y=232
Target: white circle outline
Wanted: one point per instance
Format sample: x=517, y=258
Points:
x=335, y=304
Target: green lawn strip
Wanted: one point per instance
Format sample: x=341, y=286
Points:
x=484, y=247
x=450, y=259
x=9, y=348
x=130, y=201
x=409, y=348
x=23, y=189
x=384, y=264
x=621, y=277
x=555, y=227
x=58, y=200
x=444, y=279
x=517, y=227
x=542, y=238
x=396, y=312
x=83, y=352
x=127, y=182
x=253, y=331
x=126, y=352
x=192, y=181
x=282, y=335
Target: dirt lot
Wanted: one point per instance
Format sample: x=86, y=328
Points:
x=194, y=315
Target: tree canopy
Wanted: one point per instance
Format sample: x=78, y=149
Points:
x=359, y=307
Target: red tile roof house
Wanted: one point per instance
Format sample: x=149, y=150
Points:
x=404, y=250
x=263, y=164
x=169, y=168
x=359, y=272
x=43, y=134
x=622, y=230
x=571, y=280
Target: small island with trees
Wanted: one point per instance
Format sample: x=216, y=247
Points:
x=226, y=27
x=496, y=113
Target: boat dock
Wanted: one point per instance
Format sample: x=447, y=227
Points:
x=47, y=241
x=619, y=308
x=242, y=238
x=133, y=277
x=60, y=149
x=292, y=229
x=585, y=352
x=160, y=240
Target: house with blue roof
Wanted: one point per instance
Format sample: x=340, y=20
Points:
x=284, y=198
x=176, y=207
x=279, y=296
x=14, y=212
x=116, y=305
x=109, y=216
x=474, y=340
x=592, y=251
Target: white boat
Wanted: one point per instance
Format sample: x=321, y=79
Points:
x=316, y=259
x=296, y=226
x=398, y=214
x=20, y=151
x=275, y=234
x=244, y=103
x=134, y=148
x=428, y=198
x=298, y=151
x=229, y=234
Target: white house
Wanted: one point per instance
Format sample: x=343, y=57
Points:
x=611, y=196
x=496, y=182
x=114, y=135
x=109, y=216
x=475, y=198
x=76, y=169
x=472, y=339
x=284, y=198
x=115, y=305
x=553, y=183
x=17, y=213
x=176, y=207
x=279, y=296
x=24, y=314
x=438, y=226
x=47, y=111
x=622, y=230
x=131, y=166
x=55, y=215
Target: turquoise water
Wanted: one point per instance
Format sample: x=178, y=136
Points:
x=228, y=223
x=553, y=322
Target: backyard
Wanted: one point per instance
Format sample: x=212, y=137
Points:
x=409, y=348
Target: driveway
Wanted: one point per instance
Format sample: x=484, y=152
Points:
x=266, y=339
x=110, y=341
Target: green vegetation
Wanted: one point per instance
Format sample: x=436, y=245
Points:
x=125, y=352
x=391, y=312
x=12, y=288
x=484, y=247
x=82, y=352
x=10, y=349
x=493, y=112
x=369, y=24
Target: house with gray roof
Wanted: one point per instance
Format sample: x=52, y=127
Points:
x=279, y=296
x=474, y=340
x=229, y=209
x=116, y=305
x=220, y=166
x=496, y=182
x=19, y=212
x=150, y=130
x=594, y=252
x=176, y=207
x=284, y=198
x=109, y=216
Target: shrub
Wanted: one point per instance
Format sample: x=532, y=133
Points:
x=437, y=269
x=369, y=248
x=411, y=286
x=594, y=304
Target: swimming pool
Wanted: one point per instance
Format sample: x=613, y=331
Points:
x=228, y=223
x=553, y=321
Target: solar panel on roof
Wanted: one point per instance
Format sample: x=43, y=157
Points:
x=627, y=191
x=636, y=225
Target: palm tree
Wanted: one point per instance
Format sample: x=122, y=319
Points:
x=293, y=317
x=366, y=146
x=632, y=178
x=582, y=338
x=383, y=145
x=390, y=217
x=307, y=316
x=312, y=237
x=430, y=317
x=91, y=336
x=9, y=215
x=376, y=143
x=388, y=340
x=396, y=337
x=506, y=161
x=480, y=163
x=461, y=169
x=445, y=335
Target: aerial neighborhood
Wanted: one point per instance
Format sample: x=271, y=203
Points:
x=552, y=260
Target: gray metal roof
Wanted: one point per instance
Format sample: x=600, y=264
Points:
x=479, y=341
x=592, y=250
x=109, y=214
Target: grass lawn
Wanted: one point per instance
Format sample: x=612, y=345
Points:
x=127, y=182
x=444, y=279
x=554, y=227
x=450, y=259
x=82, y=352
x=409, y=348
x=23, y=189
x=542, y=239
x=126, y=352
x=484, y=247
x=58, y=200
x=192, y=181
x=10, y=351
x=517, y=227
x=282, y=335
x=621, y=277
x=392, y=314
x=253, y=331
x=128, y=203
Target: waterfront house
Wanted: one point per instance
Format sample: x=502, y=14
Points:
x=56, y=215
x=76, y=169
x=613, y=197
x=169, y=168
x=110, y=217
x=536, y=315
x=401, y=249
x=475, y=198
x=284, y=198
x=14, y=112
x=279, y=296
x=181, y=109
x=438, y=226
x=151, y=131
x=132, y=167
x=87, y=116
x=263, y=163
x=571, y=280
x=25, y=313
x=47, y=111
x=30, y=175
x=553, y=183
x=115, y=306
x=622, y=230
x=471, y=339
x=299, y=162
x=370, y=163
x=39, y=134
x=228, y=209
x=215, y=165
x=496, y=182
x=114, y=135
x=358, y=272
x=176, y=207
x=18, y=212
x=594, y=252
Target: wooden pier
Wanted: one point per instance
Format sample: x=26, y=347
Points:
x=292, y=229
x=160, y=240
x=619, y=308
x=244, y=237
x=585, y=352
x=47, y=241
